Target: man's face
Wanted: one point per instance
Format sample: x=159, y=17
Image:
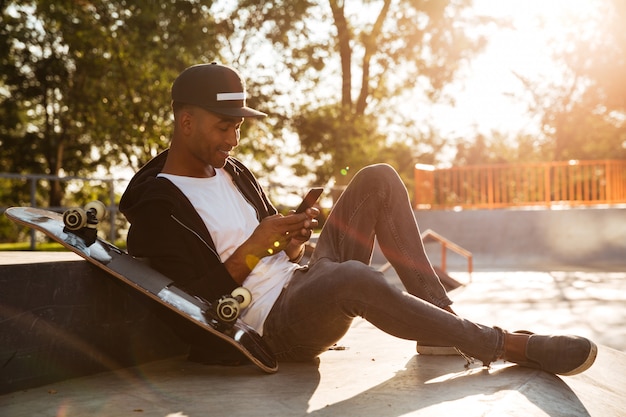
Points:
x=212, y=137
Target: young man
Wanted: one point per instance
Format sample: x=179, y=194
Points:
x=201, y=218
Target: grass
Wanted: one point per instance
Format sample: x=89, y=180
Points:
x=44, y=246
x=24, y=246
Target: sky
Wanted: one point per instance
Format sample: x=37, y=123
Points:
x=483, y=96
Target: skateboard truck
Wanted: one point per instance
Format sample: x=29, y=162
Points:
x=83, y=222
x=227, y=309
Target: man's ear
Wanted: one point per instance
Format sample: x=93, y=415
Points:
x=185, y=120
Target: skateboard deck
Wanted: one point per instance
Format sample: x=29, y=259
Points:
x=218, y=318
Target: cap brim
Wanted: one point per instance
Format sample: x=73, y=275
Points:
x=236, y=111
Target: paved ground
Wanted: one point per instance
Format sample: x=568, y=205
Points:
x=378, y=375
x=591, y=304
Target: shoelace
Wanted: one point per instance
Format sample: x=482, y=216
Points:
x=469, y=361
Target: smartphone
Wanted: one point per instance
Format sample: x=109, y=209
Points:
x=310, y=199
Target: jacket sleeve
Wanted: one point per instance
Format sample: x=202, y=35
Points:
x=177, y=251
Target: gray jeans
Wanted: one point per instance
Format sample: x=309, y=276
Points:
x=316, y=309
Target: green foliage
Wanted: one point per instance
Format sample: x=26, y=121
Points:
x=86, y=85
x=352, y=140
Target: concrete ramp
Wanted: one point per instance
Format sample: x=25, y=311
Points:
x=376, y=375
x=441, y=386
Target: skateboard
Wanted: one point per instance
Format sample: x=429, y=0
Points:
x=76, y=229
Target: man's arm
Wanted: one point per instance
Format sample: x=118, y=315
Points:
x=179, y=254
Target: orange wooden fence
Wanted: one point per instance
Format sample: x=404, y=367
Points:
x=569, y=183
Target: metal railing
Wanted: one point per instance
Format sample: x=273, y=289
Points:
x=446, y=245
x=569, y=183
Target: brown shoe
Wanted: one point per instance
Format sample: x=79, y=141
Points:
x=562, y=355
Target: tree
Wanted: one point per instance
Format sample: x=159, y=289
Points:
x=583, y=114
x=85, y=85
x=350, y=64
x=407, y=48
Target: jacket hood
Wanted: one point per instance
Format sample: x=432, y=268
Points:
x=144, y=188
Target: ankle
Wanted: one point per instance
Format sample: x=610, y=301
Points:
x=515, y=347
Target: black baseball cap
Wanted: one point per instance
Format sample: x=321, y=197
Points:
x=214, y=87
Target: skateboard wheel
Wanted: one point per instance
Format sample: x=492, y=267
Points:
x=243, y=296
x=75, y=218
x=227, y=309
x=98, y=208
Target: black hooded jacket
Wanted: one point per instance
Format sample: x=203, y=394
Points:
x=167, y=230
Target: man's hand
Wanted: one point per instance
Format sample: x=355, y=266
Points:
x=274, y=234
x=297, y=239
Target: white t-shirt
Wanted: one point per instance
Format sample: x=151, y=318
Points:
x=231, y=220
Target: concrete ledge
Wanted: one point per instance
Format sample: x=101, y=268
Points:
x=27, y=257
x=62, y=318
x=546, y=240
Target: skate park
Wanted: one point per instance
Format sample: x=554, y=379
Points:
x=558, y=271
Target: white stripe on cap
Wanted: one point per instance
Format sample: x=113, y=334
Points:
x=231, y=96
